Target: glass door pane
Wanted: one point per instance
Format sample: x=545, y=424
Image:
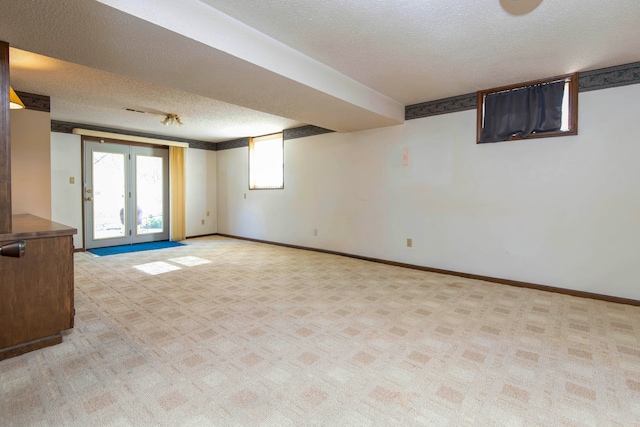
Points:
x=109, y=202
x=150, y=171
x=149, y=195
x=106, y=194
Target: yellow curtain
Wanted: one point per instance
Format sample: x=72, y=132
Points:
x=176, y=178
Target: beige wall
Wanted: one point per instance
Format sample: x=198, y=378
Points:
x=31, y=163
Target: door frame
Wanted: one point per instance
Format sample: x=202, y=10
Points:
x=130, y=169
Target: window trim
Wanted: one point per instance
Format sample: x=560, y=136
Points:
x=268, y=137
x=573, y=106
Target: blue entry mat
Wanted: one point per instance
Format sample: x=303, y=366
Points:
x=114, y=250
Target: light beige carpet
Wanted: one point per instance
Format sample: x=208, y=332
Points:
x=224, y=332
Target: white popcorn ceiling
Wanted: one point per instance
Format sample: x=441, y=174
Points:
x=236, y=68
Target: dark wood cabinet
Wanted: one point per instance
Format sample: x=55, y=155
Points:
x=36, y=291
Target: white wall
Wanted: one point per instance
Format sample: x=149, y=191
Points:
x=30, y=163
x=560, y=212
x=66, y=197
x=200, y=171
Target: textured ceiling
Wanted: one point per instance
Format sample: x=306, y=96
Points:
x=90, y=96
x=235, y=68
x=416, y=51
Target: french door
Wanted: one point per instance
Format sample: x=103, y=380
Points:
x=126, y=194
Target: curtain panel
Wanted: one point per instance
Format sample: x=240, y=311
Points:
x=521, y=112
x=177, y=188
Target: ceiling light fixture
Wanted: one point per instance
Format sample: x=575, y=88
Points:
x=172, y=120
x=15, y=103
x=519, y=7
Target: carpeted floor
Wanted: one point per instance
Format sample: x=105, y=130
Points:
x=225, y=332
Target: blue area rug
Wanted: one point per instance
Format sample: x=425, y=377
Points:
x=114, y=250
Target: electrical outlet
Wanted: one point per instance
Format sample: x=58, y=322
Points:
x=245, y=195
x=72, y=180
x=208, y=213
x=409, y=243
x=315, y=231
x=203, y=222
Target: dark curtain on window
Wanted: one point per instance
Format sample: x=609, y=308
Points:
x=522, y=112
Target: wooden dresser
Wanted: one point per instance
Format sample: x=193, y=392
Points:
x=36, y=291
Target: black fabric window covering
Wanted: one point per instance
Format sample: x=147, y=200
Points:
x=523, y=111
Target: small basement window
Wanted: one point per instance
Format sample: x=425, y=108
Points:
x=266, y=162
x=536, y=109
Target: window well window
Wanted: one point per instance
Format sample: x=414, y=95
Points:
x=537, y=109
x=266, y=162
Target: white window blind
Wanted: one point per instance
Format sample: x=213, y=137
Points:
x=266, y=162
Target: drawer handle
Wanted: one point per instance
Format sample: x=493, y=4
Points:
x=14, y=249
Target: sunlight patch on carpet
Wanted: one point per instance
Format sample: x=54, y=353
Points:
x=189, y=261
x=157, y=267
